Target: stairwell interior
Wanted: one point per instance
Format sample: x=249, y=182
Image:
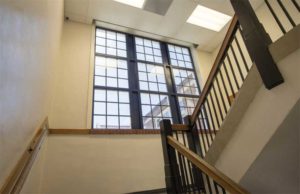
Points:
x=251, y=138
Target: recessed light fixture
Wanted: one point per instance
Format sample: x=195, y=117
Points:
x=134, y=3
x=208, y=18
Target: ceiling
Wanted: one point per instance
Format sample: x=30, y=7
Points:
x=171, y=27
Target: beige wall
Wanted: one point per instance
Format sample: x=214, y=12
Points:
x=93, y=164
x=70, y=105
x=261, y=120
x=29, y=41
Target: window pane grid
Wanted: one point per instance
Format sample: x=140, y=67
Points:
x=155, y=107
x=111, y=106
x=110, y=72
x=148, y=50
x=111, y=109
x=180, y=56
x=152, y=77
x=185, y=81
x=111, y=43
x=187, y=105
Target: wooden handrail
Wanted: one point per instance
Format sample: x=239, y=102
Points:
x=232, y=29
x=180, y=127
x=16, y=179
x=228, y=184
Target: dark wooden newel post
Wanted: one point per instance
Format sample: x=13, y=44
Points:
x=257, y=41
x=170, y=164
x=195, y=146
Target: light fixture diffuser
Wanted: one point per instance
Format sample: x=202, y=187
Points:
x=208, y=18
x=133, y=3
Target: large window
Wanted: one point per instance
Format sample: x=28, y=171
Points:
x=140, y=81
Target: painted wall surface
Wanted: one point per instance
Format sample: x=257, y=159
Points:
x=259, y=127
x=93, y=164
x=70, y=105
x=279, y=161
x=29, y=42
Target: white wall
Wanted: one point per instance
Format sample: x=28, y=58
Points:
x=263, y=117
x=70, y=105
x=92, y=164
x=29, y=41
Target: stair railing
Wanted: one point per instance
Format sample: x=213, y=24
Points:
x=186, y=171
x=245, y=43
x=228, y=73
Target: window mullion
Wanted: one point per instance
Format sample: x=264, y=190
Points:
x=170, y=85
x=135, y=105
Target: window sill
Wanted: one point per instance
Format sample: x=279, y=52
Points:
x=104, y=131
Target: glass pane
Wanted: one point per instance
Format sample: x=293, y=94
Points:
x=153, y=87
x=166, y=111
x=99, y=122
x=100, y=70
x=112, y=82
x=111, y=51
x=143, y=76
x=121, y=53
x=111, y=43
x=112, y=96
x=164, y=100
x=125, y=122
x=112, y=109
x=111, y=35
x=123, y=83
x=124, y=97
x=143, y=86
x=145, y=98
x=112, y=122
x=100, y=33
x=154, y=99
x=100, y=41
x=162, y=87
x=156, y=111
x=121, y=45
x=100, y=49
x=99, y=81
x=99, y=108
x=124, y=109
x=99, y=95
x=138, y=41
x=122, y=64
x=146, y=110
x=121, y=37
x=147, y=123
x=122, y=73
x=111, y=72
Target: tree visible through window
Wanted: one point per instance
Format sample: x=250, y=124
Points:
x=140, y=81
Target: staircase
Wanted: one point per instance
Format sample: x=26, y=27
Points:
x=245, y=116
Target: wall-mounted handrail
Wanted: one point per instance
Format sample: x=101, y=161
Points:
x=16, y=179
x=224, y=181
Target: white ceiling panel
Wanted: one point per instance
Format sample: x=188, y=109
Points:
x=170, y=27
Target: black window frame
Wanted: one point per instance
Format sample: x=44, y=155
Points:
x=133, y=79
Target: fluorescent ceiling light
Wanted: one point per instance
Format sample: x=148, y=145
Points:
x=134, y=3
x=208, y=18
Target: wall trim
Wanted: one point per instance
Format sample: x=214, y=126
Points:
x=104, y=131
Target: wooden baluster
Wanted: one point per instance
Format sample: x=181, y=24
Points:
x=171, y=168
x=195, y=146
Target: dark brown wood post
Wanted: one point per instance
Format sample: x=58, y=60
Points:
x=257, y=41
x=195, y=146
x=171, y=167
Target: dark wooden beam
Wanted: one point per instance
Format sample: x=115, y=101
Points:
x=257, y=42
